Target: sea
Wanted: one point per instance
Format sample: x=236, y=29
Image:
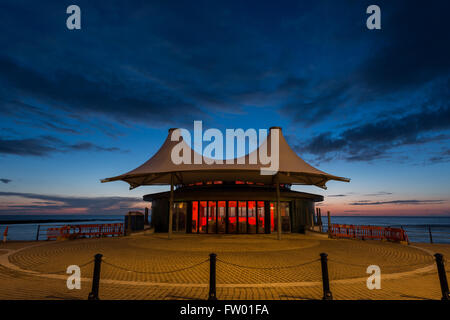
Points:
x=417, y=228
x=28, y=230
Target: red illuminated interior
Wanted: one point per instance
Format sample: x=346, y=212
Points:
x=272, y=220
x=235, y=217
x=202, y=216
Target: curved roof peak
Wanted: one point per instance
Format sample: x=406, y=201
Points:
x=291, y=168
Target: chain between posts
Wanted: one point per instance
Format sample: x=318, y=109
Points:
x=268, y=268
x=152, y=272
x=65, y=270
x=381, y=265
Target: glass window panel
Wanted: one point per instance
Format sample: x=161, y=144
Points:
x=202, y=216
x=232, y=216
x=251, y=216
x=221, y=216
x=212, y=227
x=179, y=216
x=242, y=217
x=261, y=217
x=285, y=219
x=194, y=216
x=273, y=217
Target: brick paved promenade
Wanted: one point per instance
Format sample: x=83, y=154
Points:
x=248, y=267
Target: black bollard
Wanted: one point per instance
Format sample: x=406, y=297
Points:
x=326, y=282
x=37, y=233
x=93, y=295
x=442, y=276
x=212, y=277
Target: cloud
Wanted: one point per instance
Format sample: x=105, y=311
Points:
x=78, y=93
x=175, y=62
x=403, y=59
x=337, y=195
x=31, y=203
x=443, y=156
x=82, y=146
x=46, y=145
x=381, y=193
x=399, y=202
x=373, y=140
x=6, y=181
x=413, y=54
x=167, y=64
x=31, y=116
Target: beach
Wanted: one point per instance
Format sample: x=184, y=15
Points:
x=149, y=266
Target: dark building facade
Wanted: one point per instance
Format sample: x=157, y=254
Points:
x=232, y=208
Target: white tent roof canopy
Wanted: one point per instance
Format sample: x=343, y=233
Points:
x=292, y=169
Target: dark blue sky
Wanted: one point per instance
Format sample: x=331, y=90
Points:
x=80, y=105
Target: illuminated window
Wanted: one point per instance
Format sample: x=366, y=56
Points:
x=251, y=209
x=232, y=209
x=242, y=218
x=202, y=216
x=221, y=216
x=194, y=216
x=261, y=217
x=212, y=226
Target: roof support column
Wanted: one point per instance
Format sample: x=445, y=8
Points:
x=277, y=182
x=171, y=206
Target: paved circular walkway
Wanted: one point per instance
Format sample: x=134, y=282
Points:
x=244, y=261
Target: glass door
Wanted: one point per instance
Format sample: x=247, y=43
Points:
x=273, y=217
x=202, y=216
x=232, y=213
x=194, y=228
x=261, y=217
x=179, y=216
x=221, y=216
x=285, y=217
x=251, y=209
x=242, y=227
x=212, y=217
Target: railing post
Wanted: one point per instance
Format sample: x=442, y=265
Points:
x=212, y=277
x=329, y=225
x=93, y=295
x=442, y=276
x=5, y=234
x=37, y=233
x=429, y=231
x=325, y=280
x=405, y=236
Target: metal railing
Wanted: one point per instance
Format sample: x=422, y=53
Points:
x=83, y=231
x=367, y=232
x=431, y=235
